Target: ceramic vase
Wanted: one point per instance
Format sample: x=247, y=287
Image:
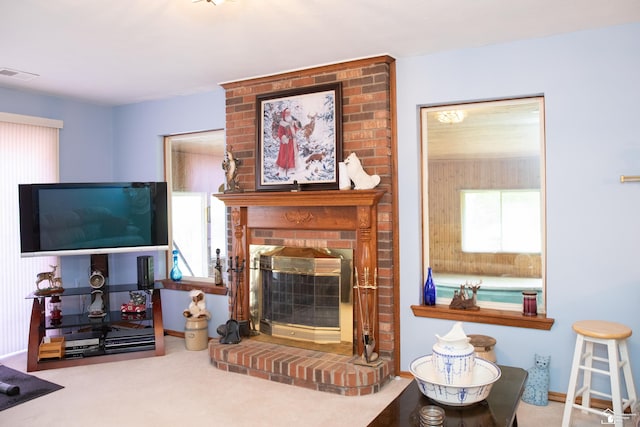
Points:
x=175, y=274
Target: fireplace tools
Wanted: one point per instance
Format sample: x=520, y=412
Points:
x=230, y=331
x=366, y=291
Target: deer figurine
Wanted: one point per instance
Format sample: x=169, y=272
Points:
x=48, y=275
x=461, y=299
x=57, y=283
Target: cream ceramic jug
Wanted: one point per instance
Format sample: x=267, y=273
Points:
x=454, y=357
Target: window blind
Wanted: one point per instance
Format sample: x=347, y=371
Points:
x=29, y=148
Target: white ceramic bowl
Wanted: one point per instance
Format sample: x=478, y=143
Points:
x=485, y=374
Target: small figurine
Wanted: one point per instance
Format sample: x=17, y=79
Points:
x=361, y=179
x=47, y=275
x=197, y=308
x=136, y=304
x=230, y=166
x=536, y=388
x=55, y=283
x=461, y=299
x=56, y=310
x=218, y=269
x=96, y=309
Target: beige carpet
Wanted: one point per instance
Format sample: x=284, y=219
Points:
x=183, y=389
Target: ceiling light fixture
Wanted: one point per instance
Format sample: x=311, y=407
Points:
x=451, y=116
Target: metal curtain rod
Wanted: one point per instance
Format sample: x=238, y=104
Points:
x=629, y=178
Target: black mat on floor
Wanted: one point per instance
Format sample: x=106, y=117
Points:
x=30, y=387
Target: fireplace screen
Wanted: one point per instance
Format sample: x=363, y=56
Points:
x=305, y=294
x=303, y=299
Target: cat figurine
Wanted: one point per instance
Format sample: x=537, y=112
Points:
x=536, y=388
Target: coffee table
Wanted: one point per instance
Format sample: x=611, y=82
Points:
x=498, y=410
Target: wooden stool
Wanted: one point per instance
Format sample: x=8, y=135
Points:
x=483, y=346
x=614, y=336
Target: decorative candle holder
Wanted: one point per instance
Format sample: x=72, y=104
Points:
x=530, y=303
x=55, y=307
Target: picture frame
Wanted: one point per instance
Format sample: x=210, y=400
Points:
x=299, y=139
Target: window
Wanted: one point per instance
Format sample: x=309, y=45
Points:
x=197, y=218
x=501, y=221
x=483, y=199
x=30, y=155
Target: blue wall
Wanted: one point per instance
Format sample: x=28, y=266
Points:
x=139, y=155
x=589, y=80
x=85, y=150
x=86, y=141
x=590, y=83
x=123, y=143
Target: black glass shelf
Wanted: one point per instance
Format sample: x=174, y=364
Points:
x=87, y=290
x=109, y=320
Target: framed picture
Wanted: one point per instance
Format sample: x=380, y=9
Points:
x=299, y=139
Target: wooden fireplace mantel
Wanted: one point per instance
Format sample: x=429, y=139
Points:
x=303, y=198
x=350, y=210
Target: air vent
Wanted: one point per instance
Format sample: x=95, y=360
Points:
x=17, y=74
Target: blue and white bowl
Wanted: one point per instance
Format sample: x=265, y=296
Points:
x=485, y=374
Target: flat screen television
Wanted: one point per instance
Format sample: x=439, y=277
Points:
x=92, y=218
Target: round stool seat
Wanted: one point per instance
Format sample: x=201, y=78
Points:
x=483, y=346
x=613, y=336
x=482, y=342
x=602, y=329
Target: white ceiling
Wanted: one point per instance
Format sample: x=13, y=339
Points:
x=125, y=51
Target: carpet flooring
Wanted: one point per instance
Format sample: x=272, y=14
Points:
x=30, y=387
x=183, y=389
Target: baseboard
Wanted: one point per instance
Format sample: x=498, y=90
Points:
x=174, y=333
x=595, y=403
x=557, y=397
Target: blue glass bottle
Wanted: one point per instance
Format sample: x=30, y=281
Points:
x=176, y=274
x=429, y=290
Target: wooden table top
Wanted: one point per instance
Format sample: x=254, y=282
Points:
x=498, y=410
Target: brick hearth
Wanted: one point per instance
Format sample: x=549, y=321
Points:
x=311, y=369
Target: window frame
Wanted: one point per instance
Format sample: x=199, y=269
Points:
x=206, y=284
x=512, y=316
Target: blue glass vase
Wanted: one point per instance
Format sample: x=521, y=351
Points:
x=429, y=296
x=176, y=274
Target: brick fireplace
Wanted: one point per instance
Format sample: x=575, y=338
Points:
x=359, y=220
x=287, y=218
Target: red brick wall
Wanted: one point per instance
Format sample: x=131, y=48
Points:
x=367, y=131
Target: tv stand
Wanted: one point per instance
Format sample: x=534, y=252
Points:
x=116, y=336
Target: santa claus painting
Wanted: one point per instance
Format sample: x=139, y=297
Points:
x=288, y=153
